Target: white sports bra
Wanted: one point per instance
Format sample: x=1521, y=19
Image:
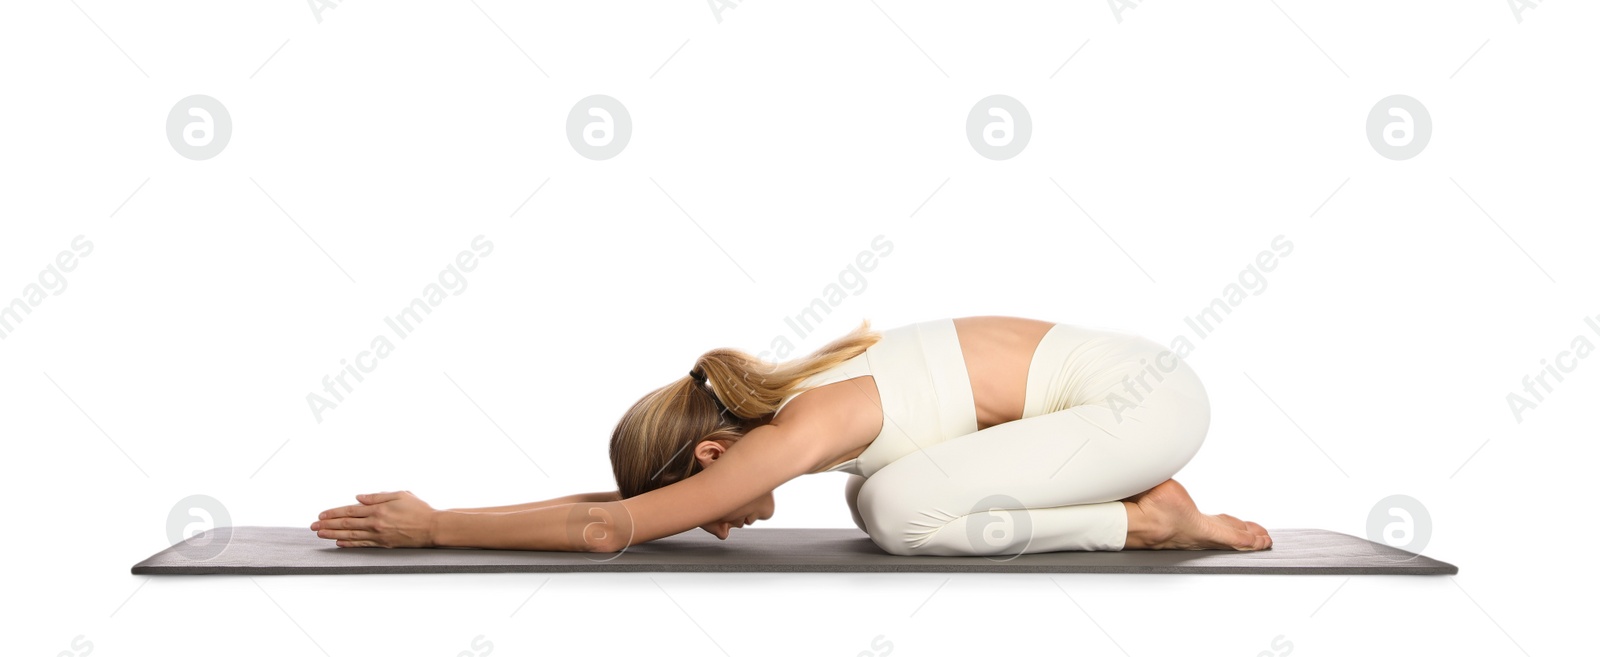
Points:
x=924, y=388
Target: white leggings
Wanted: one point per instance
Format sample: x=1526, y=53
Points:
x=1108, y=415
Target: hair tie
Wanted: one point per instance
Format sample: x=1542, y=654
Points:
x=700, y=380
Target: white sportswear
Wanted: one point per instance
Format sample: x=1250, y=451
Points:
x=1107, y=415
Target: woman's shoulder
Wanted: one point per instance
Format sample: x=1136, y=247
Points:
x=848, y=369
x=841, y=413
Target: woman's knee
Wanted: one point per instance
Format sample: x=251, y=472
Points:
x=889, y=503
x=1168, y=404
x=1187, y=408
x=852, y=492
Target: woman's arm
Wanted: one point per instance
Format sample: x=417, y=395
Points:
x=560, y=528
x=755, y=465
x=608, y=496
x=401, y=520
x=763, y=459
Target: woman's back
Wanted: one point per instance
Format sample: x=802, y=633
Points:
x=923, y=383
x=998, y=351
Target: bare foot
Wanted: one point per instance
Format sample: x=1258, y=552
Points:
x=1166, y=518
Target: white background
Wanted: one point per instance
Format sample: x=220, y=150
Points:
x=1375, y=362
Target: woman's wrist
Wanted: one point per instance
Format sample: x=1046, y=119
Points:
x=443, y=528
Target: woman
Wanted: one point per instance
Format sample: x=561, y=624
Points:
x=967, y=436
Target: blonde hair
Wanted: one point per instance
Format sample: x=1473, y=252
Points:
x=653, y=444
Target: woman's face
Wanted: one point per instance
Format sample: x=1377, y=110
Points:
x=758, y=509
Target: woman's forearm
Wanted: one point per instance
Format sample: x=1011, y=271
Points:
x=577, y=527
x=607, y=496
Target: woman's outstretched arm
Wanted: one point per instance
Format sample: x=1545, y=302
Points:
x=607, y=496
x=401, y=520
x=753, y=466
x=765, y=458
x=560, y=528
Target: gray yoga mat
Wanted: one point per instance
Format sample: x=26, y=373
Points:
x=298, y=551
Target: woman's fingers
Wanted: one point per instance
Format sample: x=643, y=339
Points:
x=379, y=498
x=352, y=511
x=346, y=534
x=345, y=523
x=388, y=519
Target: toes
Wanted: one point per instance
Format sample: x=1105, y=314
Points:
x=1234, y=522
x=1249, y=536
x=1222, y=534
x=1260, y=531
x=1240, y=538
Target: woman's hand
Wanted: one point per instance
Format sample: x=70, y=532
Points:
x=389, y=520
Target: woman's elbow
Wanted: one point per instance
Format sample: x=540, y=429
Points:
x=599, y=527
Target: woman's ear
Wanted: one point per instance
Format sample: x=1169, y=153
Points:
x=708, y=451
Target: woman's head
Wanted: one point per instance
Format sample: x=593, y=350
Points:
x=679, y=429
x=706, y=454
